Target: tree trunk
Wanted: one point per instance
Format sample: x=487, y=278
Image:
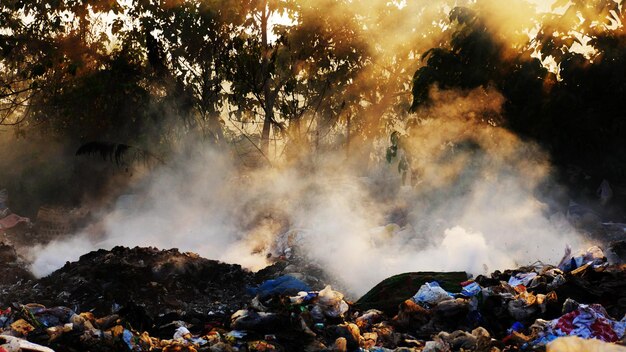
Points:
x=268, y=107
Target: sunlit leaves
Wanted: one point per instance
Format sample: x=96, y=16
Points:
x=473, y=58
x=574, y=111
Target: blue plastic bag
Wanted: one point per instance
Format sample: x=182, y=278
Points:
x=471, y=290
x=284, y=285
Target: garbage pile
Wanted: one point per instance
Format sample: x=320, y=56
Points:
x=158, y=281
x=13, y=268
x=143, y=299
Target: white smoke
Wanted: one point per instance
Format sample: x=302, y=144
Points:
x=468, y=208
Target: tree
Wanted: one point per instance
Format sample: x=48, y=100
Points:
x=198, y=39
x=303, y=69
x=46, y=45
x=575, y=110
x=396, y=32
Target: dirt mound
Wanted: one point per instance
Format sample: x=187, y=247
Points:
x=160, y=281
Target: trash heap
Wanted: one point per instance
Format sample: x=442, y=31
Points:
x=157, y=281
x=13, y=268
x=143, y=299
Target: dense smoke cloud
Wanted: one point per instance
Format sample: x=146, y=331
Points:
x=469, y=205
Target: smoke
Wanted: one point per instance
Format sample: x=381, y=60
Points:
x=469, y=203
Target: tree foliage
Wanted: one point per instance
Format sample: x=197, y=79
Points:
x=139, y=73
x=575, y=110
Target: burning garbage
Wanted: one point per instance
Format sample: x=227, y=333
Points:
x=365, y=166
x=144, y=299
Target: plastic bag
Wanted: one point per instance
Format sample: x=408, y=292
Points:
x=471, y=289
x=431, y=293
x=521, y=279
x=182, y=333
x=284, y=285
x=302, y=297
x=14, y=344
x=330, y=303
x=593, y=256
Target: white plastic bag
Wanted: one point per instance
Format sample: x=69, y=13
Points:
x=331, y=303
x=431, y=293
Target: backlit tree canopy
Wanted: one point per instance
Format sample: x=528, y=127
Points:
x=574, y=106
x=288, y=74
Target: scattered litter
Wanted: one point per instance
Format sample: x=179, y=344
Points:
x=143, y=299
